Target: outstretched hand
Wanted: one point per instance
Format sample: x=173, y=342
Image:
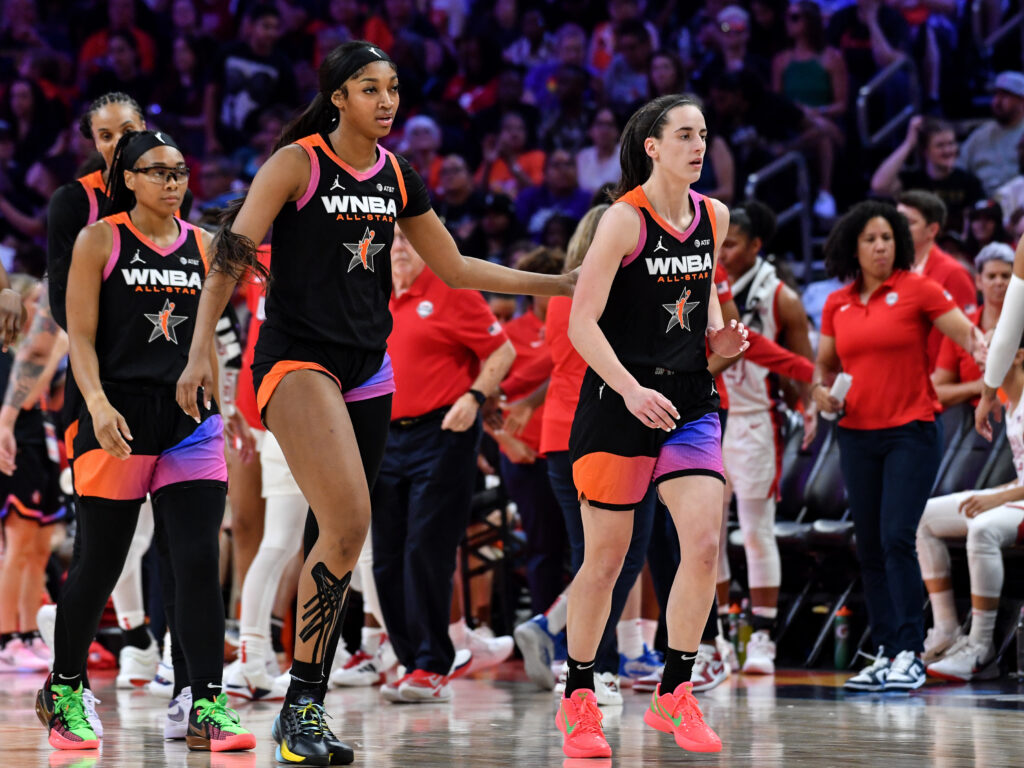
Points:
x=730, y=340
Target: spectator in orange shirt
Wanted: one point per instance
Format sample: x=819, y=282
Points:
x=120, y=18
x=509, y=166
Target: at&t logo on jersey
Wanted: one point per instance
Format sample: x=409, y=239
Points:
x=162, y=280
x=360, y=207
x=674, y=269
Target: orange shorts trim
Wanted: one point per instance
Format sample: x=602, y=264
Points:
x=99, y=474
x=609, y=481
x=69, y=439
x=278, y=372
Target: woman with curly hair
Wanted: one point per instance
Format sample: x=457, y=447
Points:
x=875, y=329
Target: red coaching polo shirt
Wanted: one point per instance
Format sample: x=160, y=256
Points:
x=440, y=337
x=954, y=277
x=566, y=378
x=953, y=357
x=883, y=345
x=530, y=370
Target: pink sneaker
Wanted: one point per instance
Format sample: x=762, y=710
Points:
x=679, y=714
x=579, y=720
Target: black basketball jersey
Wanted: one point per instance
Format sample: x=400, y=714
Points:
x=148, y=304
x=657, y=310
x=72, y=208
x=332, y=249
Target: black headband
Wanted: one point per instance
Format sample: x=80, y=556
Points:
x=142, y=142
x=682, y=101
x=358, y=59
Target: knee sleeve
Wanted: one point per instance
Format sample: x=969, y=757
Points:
x=757, y=521
x=127, y=594
x=985, y=559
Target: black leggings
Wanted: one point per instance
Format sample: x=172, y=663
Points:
x=188, y=517
x=370, y=421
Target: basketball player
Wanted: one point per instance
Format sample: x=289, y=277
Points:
x=648, y=409
x=127, y=326
x=321, y=372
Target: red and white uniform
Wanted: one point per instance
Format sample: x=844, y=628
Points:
x=751, y=448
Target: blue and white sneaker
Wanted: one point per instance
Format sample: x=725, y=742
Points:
x=906, y=673
x=176, y=724
x=873, y=677
x=631, y=670
x=538, y=646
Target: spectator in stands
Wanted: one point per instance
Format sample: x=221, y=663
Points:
x=475, y=85
x=421, y=144
x=523, y=470
x=121, y=71
x=989, y=520
x=565, y=127
x=559, y=194
x=120, y=18
x=509, y=165
x=666, y=74
x=759, y=125
x=599, y=163
x=1010, y=195
x=984, y=226
x=535, y=46
x=625, y=80
x=251, y=75
x=875, y=329
x=32, y=124
x=570, y=48
x=449, y=355
x=937, y=171
x=262, y=141
x=730, y=52
x=809, y=72
x=926, y=217
x=871, y=36
x=180, y=94
x=767, y=27
x=460, y=204
x=604, y=43
x=217, y=184
x=987, y=149
x=957, y=377
x=557, y=231
x=497, y=230
x=25, y=212
x=510, y=98
x=20, y=29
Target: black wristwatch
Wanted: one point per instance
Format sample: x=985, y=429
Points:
x=479, y=396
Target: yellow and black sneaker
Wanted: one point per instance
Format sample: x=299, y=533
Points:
x=299, y=733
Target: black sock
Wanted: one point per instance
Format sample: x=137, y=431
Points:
x=138, y=637
x=581, y=675
x=678, y=668
x=306, y=679
x=6, y=637
x=72, y=681
x=276, y=630
x=205, y=689
x=759, y=623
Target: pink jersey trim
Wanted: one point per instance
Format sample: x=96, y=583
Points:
x=115, y=250
x=314, y=177
x=641, y=241
x=680, y=236
x=357, y=175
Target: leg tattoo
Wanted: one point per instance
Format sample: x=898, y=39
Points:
x=320, y=612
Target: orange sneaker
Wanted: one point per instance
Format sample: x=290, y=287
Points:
x=679, y=714
x=579, y=720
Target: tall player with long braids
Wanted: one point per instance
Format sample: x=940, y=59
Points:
x=648, y=409
x=133, y=291
x=321, y=371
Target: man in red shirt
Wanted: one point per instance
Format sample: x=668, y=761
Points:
x=926, y=215
x=449, y=355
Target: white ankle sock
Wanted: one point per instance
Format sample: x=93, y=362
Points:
x=558, y=614
x=983, y=627
x=944, y=610
x=371, y=639
x=630, y=637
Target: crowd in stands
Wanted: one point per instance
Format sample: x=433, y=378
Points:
x=512, y=112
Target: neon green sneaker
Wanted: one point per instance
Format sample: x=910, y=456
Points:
x=213, y=726
x=63, y=712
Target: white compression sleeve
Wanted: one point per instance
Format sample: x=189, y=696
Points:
x=1006, y=339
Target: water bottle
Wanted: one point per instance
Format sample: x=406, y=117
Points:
x=842, y=638
x=1020, y=644
x=734, y=628
x=746, y=630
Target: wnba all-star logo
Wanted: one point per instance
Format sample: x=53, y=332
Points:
x=164, y=322
x=363, y=251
